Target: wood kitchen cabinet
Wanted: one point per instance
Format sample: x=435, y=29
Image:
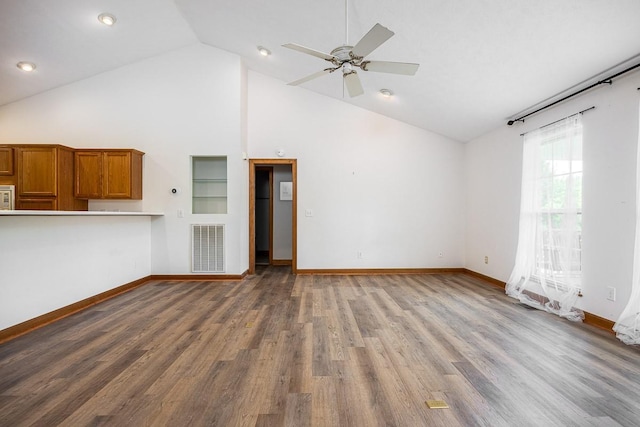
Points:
x=44, y=178
x=6, y=161
x=108, y=174
x=56, y=177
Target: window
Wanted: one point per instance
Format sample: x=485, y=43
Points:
x=548, y=269
x=209, y=186
x=559, y=203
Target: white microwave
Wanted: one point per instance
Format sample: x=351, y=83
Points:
x=7, y=197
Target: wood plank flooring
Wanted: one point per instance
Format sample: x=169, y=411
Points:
x=275, y=349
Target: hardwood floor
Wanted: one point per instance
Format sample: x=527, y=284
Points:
x=276, y=349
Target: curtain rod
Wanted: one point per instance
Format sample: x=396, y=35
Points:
x=608, y=80
x=559, y=120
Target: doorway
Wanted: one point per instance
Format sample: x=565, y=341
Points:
x=272, y=213
x=264, y=215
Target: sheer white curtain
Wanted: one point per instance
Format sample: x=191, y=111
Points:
x=627, y=327
x=547, y=273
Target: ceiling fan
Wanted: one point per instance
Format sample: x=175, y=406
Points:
x=347, y=58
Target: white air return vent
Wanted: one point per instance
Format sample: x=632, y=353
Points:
x=207, y=249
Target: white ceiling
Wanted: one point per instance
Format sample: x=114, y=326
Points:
x=481, y=61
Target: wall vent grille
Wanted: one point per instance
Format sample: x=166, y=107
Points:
x=207, y=249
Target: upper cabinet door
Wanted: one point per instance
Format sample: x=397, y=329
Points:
x=122, y=174
x=6, y=161
x=117, y=175
x=88, y=175
x=37, y=171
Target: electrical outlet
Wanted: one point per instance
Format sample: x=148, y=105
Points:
x=611, y=293
x=486, y=259
x=308, y=213
x=360, y=255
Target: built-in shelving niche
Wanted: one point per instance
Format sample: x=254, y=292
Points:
x=209, y=187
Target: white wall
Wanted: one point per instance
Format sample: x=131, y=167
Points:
x=51, y=262
x=172, y=106
x=494, y=164
x=375, y=185
x=493, y=168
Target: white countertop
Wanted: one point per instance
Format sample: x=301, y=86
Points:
x=77, y=213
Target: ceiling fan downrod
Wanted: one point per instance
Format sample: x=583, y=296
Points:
x=346, y=22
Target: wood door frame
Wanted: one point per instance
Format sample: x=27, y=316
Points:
x=270, y=170
x=253, y=164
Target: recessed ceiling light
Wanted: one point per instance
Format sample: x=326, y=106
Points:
x=386, y=93
x=107, y=19
x=264, y=51
x=26, y=66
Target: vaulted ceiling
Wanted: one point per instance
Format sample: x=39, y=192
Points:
x=481, y=61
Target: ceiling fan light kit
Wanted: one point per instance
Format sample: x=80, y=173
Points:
x=349, y=58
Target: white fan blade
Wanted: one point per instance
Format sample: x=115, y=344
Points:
x=311, y=77
x=370, y=42
x=309, y=51
x=406, y=68
x=352, y=81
